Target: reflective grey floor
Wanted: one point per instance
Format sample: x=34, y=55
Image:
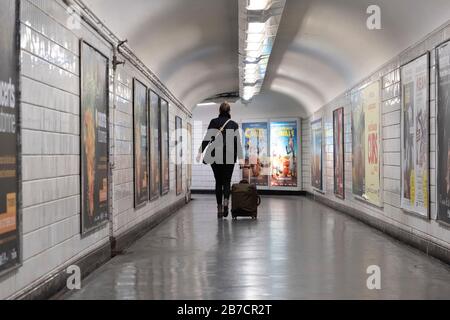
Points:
x=298, y=249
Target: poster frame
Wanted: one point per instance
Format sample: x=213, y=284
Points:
x=335, y=114
x=314, y=188
x=242, y=133
x=189, y=144
x=164, y=192
x=86, y=232
x=300, y=149
x=381, y=149
x=143, y=204
x=19, y=210
x=406, y=210
x=445, y=224
x=158, y=193
x=178, y=166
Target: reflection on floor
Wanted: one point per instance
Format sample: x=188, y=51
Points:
x=297, y=249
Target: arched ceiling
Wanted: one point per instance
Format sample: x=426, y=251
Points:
x=323, y=47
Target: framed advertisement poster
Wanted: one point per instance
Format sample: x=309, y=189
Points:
x=415, y=130
x=10, y=250
x=316, y=155
x=443, y=133
x=140, y=128
x=94, y=137
x=179, y=155
x=154, y=154
x=358, y=145
x=366, y=144
x=164, y=146
x=339, y=153
x=284, y=153
x=256, y=153
x=189, y=156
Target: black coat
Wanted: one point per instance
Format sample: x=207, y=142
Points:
x=229, y=144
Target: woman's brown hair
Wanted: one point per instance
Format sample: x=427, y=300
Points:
x=225, y=109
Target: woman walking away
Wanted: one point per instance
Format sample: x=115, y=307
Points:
x=222, y=147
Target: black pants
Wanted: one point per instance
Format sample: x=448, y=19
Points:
x=223, y=174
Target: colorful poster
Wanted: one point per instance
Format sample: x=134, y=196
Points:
x=415, y=136
x=443, y=133
x=358, y=145
x=339, y=152
x=316, y=154
x=189, y=156
x=179, y=155
x=154, y=155
x=256, y=155
x=366, y=142
x=94, y=138
x=371, y=96
x=164, y=146
x=141, y=184
x=9, y=113
x=284, y=153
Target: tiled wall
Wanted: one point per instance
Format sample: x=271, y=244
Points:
x=390, y=122
x=50, y=136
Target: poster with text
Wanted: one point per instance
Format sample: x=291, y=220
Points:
x=366, y=141
x=94, y=137
x=164, y=147
x=179, y=154
x=154, y=156
x=284, y=153
x=9, y=88
x=339, y=152
x=358, y=145
x=415, y=136
x=316, y=154
x=256, y=154
x=189, y=156
x=141, y=184
x=443, y=132
x=371, y=101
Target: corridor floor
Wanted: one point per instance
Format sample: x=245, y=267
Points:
x=297, y=249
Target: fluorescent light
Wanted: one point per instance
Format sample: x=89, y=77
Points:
x=206, y=104
x=257, y=5
x=254, y=54
x=253, y=46
x=256, y=27
x=251, y=67
x=255, y=37
x=258, y=40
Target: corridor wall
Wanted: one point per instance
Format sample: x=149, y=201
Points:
x=50, y=137
x=430, y=231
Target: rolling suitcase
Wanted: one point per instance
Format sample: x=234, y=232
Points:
x=244, y=200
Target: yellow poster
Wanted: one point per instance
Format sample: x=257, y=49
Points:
x=371, y=101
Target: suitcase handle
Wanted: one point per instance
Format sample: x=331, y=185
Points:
x=259, y=201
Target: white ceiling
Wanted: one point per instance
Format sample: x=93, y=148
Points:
x=323, y=46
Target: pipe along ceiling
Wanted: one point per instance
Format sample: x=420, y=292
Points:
x=323, y=47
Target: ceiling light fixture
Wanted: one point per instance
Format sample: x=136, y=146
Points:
x=258, y=26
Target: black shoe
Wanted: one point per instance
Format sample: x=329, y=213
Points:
x=225, y=209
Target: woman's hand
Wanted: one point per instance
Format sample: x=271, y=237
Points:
x=199, y=157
